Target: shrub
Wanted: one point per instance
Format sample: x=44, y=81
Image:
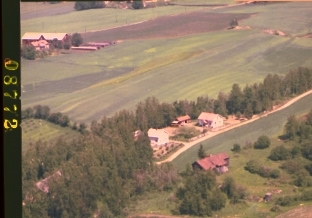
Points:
x=291, y=166
x=307, y=195
x=76, y=39
x=275, y=209
x=280, y=153
x=285, y=201
x=236, y=148
x=252, y=166
x=28, y=52
x=262, y=142
x=275, y=174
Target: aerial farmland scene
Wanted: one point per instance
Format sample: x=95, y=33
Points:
x=166, y=109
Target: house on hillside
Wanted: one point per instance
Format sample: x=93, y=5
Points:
x=181, y=120
x=30, y=37
x=219, y=163
x=158, y=137
x=210, y=120
x=43, y=185
x=40, y=45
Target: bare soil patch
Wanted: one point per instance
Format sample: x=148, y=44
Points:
x=300, y=212
x=168, y=27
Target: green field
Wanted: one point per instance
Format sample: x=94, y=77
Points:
x=34, y=130
x=182, y=64
x=292, y=18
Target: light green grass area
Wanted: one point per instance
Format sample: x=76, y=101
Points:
x=169, y=69
x=293, y=18
x=97, y=19
x=34, y=130
x=270, y=125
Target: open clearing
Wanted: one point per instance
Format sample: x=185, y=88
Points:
x=34, y=130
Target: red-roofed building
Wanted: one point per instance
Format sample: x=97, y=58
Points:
x=219, y=162
x=210, y=120
x=181, y=120
x=34, y=37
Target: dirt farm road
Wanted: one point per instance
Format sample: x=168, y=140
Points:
x=188, y=145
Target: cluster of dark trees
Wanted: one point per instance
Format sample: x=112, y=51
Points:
x=200, y=194
x=43, y=112
x=81, y=5
x=106, y=165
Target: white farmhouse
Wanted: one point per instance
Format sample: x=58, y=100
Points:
x=158, y=137
x=210, y=120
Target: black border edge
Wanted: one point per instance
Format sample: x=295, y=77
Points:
x=11, y=185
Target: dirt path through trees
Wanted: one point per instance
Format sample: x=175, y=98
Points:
x=211, y=134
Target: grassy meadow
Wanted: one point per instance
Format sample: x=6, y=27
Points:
x=34, y=130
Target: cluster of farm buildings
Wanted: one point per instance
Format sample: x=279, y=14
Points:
x=218, y=162
x=42, y=41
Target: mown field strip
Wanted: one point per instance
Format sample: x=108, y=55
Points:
x=270, y=125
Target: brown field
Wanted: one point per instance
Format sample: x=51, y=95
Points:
x=168, y=27
x=300, y=212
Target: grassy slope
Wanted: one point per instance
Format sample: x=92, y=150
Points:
x=218, y=63
x=34, y=130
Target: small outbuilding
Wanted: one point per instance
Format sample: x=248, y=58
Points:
x=180, y=121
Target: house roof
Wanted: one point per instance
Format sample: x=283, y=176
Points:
x=186, y=117
x=208, y=116
x=159, y=133
x=47, y=36
x=213, y=161
x=31, y=35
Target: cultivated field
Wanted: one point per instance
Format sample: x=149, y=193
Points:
x=182, y=63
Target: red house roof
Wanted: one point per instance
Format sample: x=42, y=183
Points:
x=183, y=118
x=213, y=161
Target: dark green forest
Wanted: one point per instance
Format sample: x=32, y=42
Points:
x=107, y=168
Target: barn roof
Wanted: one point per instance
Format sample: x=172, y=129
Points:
x=183, y=118
x=213, y=161
x=46, y=36
x=208, y=116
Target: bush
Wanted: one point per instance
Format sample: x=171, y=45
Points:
x=88, y=5
x=307, y=195
x=252, y=166
x=76, y=39
x=285, y=201
x=262, y=142
x=28, y=52
x=137, y=4
x=280, y=153
x=291, y=166
x=275, y=174
x=275, y=209
x=236, y=148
